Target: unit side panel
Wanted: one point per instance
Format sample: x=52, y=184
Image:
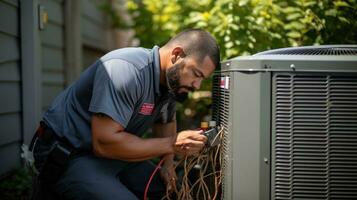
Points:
x=246, y=95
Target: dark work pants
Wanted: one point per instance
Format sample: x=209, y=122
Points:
x=90, y=177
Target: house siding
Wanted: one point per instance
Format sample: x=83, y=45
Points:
x=52, y=52
x=36, y=65
x=10, y=86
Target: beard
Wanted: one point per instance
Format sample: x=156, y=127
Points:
x=173, y=83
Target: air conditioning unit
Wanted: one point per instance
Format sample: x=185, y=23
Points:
x=290, y=124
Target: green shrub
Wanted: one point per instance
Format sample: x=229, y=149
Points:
x=16, y=185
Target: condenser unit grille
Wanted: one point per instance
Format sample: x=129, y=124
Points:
x=220, y=108
x=314, y=136
x=313, y=51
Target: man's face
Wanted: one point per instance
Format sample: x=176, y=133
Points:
x=186, y=75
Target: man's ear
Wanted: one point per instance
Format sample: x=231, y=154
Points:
x=176, y=53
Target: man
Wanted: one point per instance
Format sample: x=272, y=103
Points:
x=89, y=144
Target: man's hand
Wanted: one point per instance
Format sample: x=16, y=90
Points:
x=189, y=142
x=168, y=173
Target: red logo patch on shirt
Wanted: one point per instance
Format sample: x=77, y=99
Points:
x=147, y=109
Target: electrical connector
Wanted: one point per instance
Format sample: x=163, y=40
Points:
x=212, y=135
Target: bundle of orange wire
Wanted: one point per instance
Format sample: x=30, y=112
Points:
x=208, y=164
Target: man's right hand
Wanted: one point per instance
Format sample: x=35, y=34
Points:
x=189, y=142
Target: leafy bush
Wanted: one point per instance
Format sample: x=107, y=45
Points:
x=16, y=185
x=243, y=27
x=247, y=26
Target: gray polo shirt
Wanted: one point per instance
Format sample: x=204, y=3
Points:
x=125, y=85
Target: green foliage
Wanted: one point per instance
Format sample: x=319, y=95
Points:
x=244, y=27
x=16, y=185
x=247, y=26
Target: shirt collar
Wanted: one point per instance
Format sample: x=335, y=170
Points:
x=156, y=63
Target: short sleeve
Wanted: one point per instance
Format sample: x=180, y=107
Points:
x=168, y=113
x=115, y=90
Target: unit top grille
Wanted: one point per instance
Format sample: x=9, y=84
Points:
x=311, y=50
x=324, y=58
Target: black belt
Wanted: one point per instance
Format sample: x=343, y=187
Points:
x=46, y=134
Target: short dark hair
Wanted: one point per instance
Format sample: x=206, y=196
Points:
x=197, y=43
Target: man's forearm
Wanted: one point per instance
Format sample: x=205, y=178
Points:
x=128, y=147
x=110, y=140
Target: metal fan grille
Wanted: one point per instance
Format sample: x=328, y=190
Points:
x=315, y=141
x=313, y=51
x=220, y=114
